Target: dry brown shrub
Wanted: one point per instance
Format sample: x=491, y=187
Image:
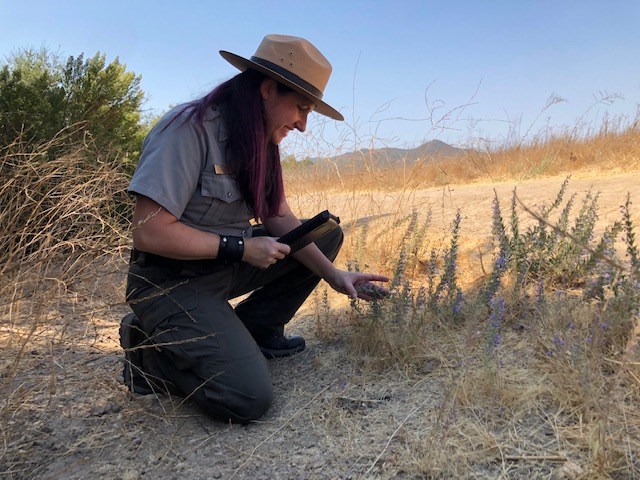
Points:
x=65, y=221
x=57, y=211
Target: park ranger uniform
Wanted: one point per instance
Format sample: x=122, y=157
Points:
x=198, y=345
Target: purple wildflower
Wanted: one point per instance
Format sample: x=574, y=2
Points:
x=540, y=294
x=559, y=342
x=498, y=308
x=501, y=261
x=457, y=304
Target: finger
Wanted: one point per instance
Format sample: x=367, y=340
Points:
x=372, y=290
x=364, y=296
x=351, y=291
x=283, y=247
x=374, y=277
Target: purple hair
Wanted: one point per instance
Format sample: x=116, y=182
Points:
x=253, y=160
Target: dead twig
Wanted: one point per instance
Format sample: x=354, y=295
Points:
x=535, y=458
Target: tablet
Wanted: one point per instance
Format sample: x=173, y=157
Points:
x=310, y=231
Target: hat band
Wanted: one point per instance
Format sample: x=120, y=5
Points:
x=292, y=77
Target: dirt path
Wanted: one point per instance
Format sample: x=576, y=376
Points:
x=331, y=419
x=475, y=200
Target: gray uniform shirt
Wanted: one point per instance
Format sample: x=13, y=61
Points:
x=183, y=168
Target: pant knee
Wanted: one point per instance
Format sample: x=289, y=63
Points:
x=253, y=408
x=241, y=404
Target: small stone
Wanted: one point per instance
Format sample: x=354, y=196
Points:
x=430, y=365
x=130, y=475
x=569, y=471
x=97, y=410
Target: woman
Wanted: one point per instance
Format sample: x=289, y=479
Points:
x=206, y=169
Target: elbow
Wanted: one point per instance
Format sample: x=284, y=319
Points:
x=150, y=226
x=143, y=239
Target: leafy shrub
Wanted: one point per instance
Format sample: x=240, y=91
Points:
x=88, y=98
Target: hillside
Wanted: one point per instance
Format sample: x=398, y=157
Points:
x=381, y=157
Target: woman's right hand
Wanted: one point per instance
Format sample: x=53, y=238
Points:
x=263, y=252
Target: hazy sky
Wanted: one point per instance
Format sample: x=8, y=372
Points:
x=399, y=66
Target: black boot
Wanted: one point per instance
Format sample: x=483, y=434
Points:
x=132, y=336
x=279, y=346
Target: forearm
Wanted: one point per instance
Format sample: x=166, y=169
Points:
x=354, y=284
x=316, y=261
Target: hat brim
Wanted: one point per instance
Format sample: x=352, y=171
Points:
x=243, y=63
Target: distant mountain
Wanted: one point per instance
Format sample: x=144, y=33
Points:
x=381, y=157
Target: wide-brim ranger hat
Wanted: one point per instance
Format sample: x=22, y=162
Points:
x=294, y=62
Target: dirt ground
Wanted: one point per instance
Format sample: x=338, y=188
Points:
x=71, y=417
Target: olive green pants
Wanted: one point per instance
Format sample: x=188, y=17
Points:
x=197, y=344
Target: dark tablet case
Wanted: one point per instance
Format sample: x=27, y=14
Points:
x=310, y=231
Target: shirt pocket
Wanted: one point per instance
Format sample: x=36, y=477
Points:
x=221, y=194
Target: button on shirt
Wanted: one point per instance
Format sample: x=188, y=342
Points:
x=183, y=168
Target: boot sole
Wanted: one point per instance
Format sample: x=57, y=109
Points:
x=270, y=353
x=134, y=381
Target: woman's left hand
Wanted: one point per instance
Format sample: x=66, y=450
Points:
x=358, y=285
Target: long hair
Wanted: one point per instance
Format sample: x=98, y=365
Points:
x=252, y=159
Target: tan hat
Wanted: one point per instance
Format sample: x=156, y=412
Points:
x=294, y=62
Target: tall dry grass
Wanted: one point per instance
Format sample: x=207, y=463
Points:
x=64, y=225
